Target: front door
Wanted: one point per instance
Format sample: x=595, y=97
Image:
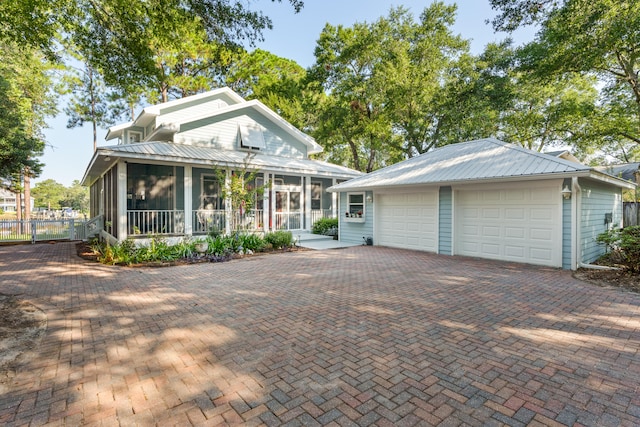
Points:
x=288, y=212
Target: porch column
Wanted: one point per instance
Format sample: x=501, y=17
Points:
x=272, y=205
x=121, y=169
x=307, y=202
x=228, y=212
x=334, y=202
x=266, y=196
x=188, y=201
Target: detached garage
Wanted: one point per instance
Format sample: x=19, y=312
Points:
x=486, y=199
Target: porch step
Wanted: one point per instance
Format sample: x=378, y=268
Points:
x=305, y=236
x=319, y=242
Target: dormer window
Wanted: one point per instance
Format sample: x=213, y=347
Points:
x=250, y=136
x=134, y=137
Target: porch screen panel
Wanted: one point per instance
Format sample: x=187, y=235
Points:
x=151, y=187
x=110, y=196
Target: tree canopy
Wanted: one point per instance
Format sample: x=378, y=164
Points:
x=596, y=37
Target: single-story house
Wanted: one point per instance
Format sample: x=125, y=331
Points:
x=163, y=177
x=487, y=199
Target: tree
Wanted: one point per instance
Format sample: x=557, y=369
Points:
x=48, y=194
x=76, y=197
x=277, y=82
x=91, y=102
x=386, y=83
x=240, y=190
x=25, y=102
x=599, y=37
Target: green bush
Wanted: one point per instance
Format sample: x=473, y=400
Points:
x=251, y=242
x=623, y=246
x=279, y=239
x=324, y=225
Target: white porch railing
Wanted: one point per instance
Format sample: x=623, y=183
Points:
x=155, y=222
x=206, y=220
x=288, y=221
x=319, y=214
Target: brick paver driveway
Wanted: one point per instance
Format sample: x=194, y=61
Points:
x=359, y=336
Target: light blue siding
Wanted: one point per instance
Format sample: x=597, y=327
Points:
x=353, y=232
x=445, y=221
x=222, y=132
x=566, y=229
x=597, y=199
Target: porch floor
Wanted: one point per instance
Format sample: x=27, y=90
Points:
x=319, y=242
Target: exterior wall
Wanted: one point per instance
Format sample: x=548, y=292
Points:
x=567, y=239
x=597, y=199
x=445, y=221
x=192, y=109
x=222, y=132
x=353, y=232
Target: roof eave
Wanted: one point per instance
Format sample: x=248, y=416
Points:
x=346, y=187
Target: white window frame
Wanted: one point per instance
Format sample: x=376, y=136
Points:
x=131, y=133
x=355, y=206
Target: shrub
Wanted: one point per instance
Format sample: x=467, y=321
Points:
x=624, y=246
x=279, y=239
x=324, y=226
x=251, y=242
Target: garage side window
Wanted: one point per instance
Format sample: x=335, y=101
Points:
x=355, y=206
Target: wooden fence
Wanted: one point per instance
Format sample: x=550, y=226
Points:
x=631, y=214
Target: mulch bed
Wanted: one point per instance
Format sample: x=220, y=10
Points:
x=84, y=251
x=615, y=278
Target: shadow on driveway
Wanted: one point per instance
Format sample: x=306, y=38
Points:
x=357, y=336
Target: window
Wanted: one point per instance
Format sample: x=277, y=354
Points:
x=211, y=193
x=134, y=137
x=250, y=136
x=355, y=207
x=316, y=195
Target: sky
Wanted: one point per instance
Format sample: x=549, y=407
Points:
x=294, y=36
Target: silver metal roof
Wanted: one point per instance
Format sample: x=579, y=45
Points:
x=479, y=160
x=208, y=157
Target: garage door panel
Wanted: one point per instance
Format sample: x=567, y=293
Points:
x=541, y=255
x=515, y=252
x=514, y=213
x=491, y=231
x=522, y=224
x=407, y=220
x=545, y=234
x=515, y=232
x=490, y=248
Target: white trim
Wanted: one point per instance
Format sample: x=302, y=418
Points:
x=188, y=200
x=121, y=197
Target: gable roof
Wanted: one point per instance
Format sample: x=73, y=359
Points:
x=238, y=105
x=208, y=157
x=483, y=160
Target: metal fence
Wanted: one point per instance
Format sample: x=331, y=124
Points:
x=36, y=230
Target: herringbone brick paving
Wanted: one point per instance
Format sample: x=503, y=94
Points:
x=352, y=337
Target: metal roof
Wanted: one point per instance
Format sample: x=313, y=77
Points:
x=472, y=161
x=628, y=171
x=168, y=152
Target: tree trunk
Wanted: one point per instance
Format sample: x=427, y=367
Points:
x=27, y=196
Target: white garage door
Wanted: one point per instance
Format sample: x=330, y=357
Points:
x=407, y=220
x=522, y=223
